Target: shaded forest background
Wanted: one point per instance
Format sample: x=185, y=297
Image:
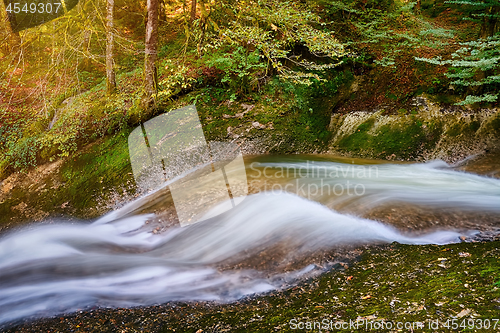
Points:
x=105, y=66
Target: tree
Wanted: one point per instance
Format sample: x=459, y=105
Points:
x=485, y=12
x=193, y=10
x=110, y=71
x=475, y=67
x=234, y=37
x=150, y=76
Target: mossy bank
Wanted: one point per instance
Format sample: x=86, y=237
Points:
x=423, y=131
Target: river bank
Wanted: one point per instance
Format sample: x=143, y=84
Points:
x=98, y=177
x=456, y=283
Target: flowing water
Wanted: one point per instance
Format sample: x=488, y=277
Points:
x=298, y=207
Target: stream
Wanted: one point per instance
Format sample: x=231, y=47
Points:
x=299, y=212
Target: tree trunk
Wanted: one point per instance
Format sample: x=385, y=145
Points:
x=418, y=6
x=87, y=61
x=162, y=11
x=193, y=10
x=490, y=26
x=150, y=83
x=110, y=71
x=203, y=22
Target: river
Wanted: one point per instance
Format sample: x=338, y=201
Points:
x=298, y=209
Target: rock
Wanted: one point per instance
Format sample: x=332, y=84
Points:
x=20, y=207
x=258, y=125
x=247, y=107
x=463, y=313
x=370, y=317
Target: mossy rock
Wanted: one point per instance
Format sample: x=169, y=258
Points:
x=495, y=124
x=401, y=139
x=463, y=129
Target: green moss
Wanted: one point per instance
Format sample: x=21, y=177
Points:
x=463, y=128
x=495, y=124
x=94, y=172
x=37, y=127
x=474, y=125
x=454, y=130
x=4, y=163
x=300, y=116
x=360, y=139
x=404, y=141
x=82, y=180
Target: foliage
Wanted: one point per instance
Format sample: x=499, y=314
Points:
x=272, y=29
x=475, y=65
x=233, y=49
x=237, y=64
x=23, y=154
x=176, y=78
x=395, y=27
x=486, y=12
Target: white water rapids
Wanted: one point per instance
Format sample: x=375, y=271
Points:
x=117, y=262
